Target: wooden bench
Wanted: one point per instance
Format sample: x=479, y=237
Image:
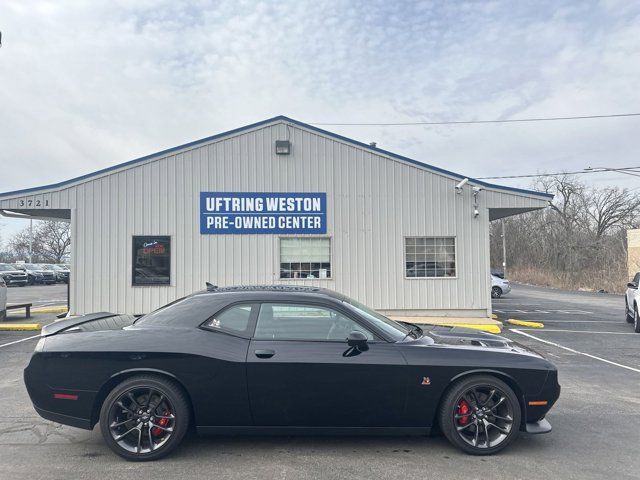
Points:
x=17, y=306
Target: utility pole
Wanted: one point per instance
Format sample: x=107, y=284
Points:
x=31, y=240
x=504, y=251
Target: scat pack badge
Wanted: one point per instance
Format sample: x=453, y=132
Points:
x=425, y=381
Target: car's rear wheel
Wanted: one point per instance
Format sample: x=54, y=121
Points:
x=496, y=292
x=480, y=415
x=628, y=312
x=144, y=418
x=636, y=319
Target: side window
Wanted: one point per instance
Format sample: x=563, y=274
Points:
x=304, y=322
x=234, y=319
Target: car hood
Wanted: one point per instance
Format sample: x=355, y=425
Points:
x=467, y=337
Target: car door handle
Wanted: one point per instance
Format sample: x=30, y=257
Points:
x=265, y=353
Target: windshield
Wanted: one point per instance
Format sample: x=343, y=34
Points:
x=396, y=330
x=6, y=268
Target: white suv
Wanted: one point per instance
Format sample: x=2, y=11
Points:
x=632, y=302
x=3, y=299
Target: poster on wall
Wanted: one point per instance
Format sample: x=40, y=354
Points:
x=260, y=212
x=151, y=260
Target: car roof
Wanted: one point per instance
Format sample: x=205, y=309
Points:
x=273, y=291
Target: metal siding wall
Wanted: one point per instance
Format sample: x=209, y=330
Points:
x=373, y=202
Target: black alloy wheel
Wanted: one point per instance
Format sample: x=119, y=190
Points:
x=636, y=319
x=496, y=292
x=480, y=415
x=144, y=418
x=628, y=312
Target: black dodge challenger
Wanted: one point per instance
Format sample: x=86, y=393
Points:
x=290, y=360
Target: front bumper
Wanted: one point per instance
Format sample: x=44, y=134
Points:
x=541, y=426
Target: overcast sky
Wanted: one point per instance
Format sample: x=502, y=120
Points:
x=85, y=85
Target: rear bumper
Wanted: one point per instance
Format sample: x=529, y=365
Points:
x=64, y=419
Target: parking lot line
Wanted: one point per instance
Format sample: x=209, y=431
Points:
x=520, y=332
x=581, y=331
x=18, y=341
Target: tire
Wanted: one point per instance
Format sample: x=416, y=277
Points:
x=131, y=446
x=470, y=427
x=30, y=281
x=628, y=312
x=636, y=319
x=496, y=292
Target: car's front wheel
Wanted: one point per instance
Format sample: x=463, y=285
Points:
x=144, y=418
x=496, y=292
x=480, y=415
x=636, y=319
x=628, y=312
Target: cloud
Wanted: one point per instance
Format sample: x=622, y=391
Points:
x=87, y=85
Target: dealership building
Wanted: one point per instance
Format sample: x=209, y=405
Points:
x=278, y=202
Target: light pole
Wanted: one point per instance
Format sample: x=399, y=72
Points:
x=31, y=240
x=504, y=251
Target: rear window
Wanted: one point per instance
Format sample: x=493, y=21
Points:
x=197, y=308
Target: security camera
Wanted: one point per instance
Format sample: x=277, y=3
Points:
x=477, y=189
x=476, y=213
x=461, y=184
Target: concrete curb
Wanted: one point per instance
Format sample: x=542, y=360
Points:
x=18, y=327
x=52, y=309
x=525, y=323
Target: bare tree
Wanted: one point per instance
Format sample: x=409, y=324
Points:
x=51, y=242
x=579, y=242
x=55, y=240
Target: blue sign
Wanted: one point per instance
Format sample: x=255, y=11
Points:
x=254, y=212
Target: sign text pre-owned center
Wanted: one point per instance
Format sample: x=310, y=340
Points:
x=262, y=212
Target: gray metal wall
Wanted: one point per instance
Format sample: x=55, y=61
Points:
x=373, y=202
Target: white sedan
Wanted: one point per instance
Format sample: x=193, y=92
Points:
x=499, y=286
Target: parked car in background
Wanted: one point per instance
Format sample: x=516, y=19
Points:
x=12, y=276
x=61, y=271
x=37, y=273
x=632, y=302
x=3, y=300
x=499, y=286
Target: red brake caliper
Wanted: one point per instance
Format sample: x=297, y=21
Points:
x=163, y=422
x=463, y=409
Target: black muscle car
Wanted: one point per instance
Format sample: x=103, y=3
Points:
x=291, y=360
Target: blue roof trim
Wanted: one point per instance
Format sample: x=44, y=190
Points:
x=266, y=122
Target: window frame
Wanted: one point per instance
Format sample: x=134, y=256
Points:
x=133, y=262
x=311, y=237
x=404, y=256
x=251, y=326
x=377, y=338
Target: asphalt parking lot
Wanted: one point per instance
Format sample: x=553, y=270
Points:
x=595, y=421
x=38, y=295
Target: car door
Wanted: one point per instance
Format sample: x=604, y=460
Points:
x=301, y=372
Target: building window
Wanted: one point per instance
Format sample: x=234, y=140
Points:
x=305, y=258
x=151, y=260
x=430, y=257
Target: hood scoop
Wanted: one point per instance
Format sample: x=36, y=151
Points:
x=467, y=336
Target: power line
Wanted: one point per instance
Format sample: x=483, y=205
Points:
x=471, y=122
x=626, y=170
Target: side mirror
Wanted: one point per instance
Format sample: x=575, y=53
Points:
x=632, y=285
x=357, y=340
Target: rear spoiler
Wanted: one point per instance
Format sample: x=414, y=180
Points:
x=61, y=325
